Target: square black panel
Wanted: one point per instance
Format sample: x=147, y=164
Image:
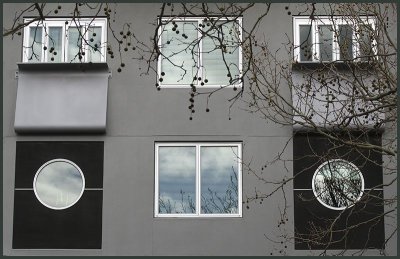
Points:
x=362, y=225
x=36, y=226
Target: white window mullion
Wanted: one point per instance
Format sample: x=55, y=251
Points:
x=335, y=41
x=156, y=184
x=85, y=41
x=356, y=42
x=198, y=187
x=240, y=21
x=160, y=42
x=315, y=42
x=200, y=55
x=45, y=41
x=239, y=175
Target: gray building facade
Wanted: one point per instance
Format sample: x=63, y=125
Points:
x=130, y=119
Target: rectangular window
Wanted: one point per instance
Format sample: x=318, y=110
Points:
x=200, y=52
x=327, y=39
x=198, y=180
x=65, y=40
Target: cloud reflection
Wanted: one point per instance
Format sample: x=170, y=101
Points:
x=59, y=184
x=177, y=179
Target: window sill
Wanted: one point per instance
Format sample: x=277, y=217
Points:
x=46, y=66
x=329, y=64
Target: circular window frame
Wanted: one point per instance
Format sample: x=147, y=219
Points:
x=53, y=161
x=352, y=165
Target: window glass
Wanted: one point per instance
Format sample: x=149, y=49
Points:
x=94, y=41
x=219, y=180
x=74, y=45
x=177, y=180
x=345, y=41
x=338, y=184
x=179, y=56
x=220, y=51
x=35, y=44
x=305, y=43
x=59, y=184
x=325, y=42
x=55, y=44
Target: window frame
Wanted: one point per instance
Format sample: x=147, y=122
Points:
x=85, y=23
x=199, y=19
x=198, y=146
x=336, y=21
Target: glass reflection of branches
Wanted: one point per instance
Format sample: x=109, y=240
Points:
x=213, y=202
x=338, y=184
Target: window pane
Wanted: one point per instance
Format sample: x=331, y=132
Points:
x=325, y=42
x=305, y=43
x=337, y=184
x=59, y=184
x=346, y=42
x=177, y=180
x=219, y=180
x=179, y=56
x=74, y=45
x=55, y=44
x=213, y=54
x=95, y=47
x=365, y=40
x=35, y=44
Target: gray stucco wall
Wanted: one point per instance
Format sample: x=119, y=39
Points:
x=137, y=117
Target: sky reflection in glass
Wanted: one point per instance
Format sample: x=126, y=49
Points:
x=94, y=49
x=215, y=68
x=35, y=44
x=177, y=180
x=59, y=184
x=74, y=44
x=55, y=42
x=179, y=55
x=219, y=182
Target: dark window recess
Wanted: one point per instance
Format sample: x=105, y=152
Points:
x=357, y=227
x=345, y=41
x=325, y=42
x=306, y=43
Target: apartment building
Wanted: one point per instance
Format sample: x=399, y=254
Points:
x=103, y=156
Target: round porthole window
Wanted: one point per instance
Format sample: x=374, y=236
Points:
x=338, y=184
x=59, y=184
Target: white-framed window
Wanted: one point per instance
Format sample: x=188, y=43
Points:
x=198, y=180
x=65, y=40
x=337, y=38
x=200, y=52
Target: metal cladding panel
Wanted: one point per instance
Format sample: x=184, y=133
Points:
x=61, y=100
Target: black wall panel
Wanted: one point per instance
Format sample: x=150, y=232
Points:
x=310, y=151
x=36, y=226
